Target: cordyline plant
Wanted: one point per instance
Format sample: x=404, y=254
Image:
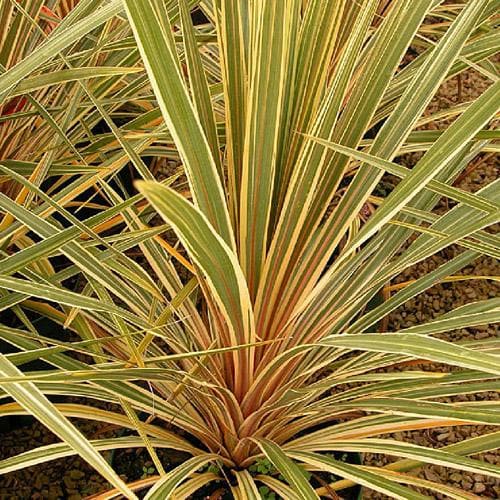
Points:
x=247, y=335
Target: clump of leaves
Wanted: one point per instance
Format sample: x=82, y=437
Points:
x=147, y=471
x=266, y=493
x=263, y=466
x=247, y=337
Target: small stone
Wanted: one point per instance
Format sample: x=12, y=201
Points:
x=55, y=491
x=431, y=476
x=482, y=335
x=70, y=484
x=420, y=440
x=40, y=481
x=76, y=474
x=442, y=437
x=411, y=318
x=479, y=488
x=456, y=477
x=466, y=485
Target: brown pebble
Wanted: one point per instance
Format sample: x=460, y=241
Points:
x=431, y=476
x=442, y=437
x=76, y=474
x=482, y=335
x=466, y=485
x=479, y=488
x=70, y=484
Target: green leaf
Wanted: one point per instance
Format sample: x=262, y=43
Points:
x=293, y=473
x=469, y=199
x=68, y=75
x=418, y=346
x=271, y=46
x=167, y=484
x=359, y=475
x=246, y=487
x=200, y=91
x=45, y=454
x=156, y=44
x=62, y=296
x=413, y=451
x=218, y=264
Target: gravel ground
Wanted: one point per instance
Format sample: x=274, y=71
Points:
x=445, y=297
x=69, y=478
x=436, y=301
